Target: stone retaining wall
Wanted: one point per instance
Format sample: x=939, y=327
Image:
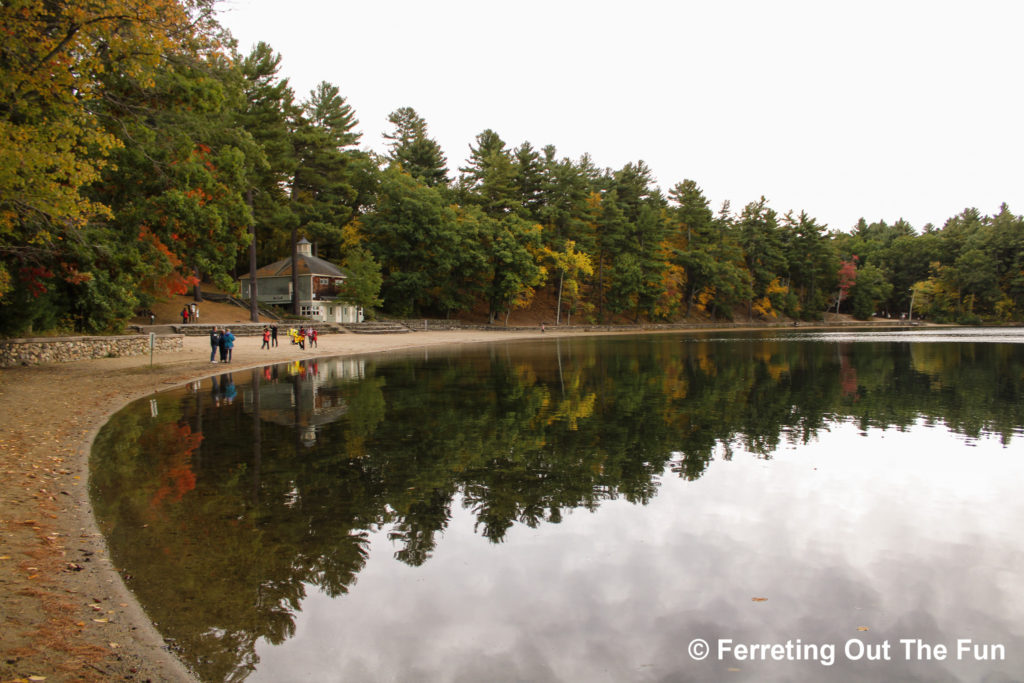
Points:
x=14, y=352
x=246, y=329
x=424, y=324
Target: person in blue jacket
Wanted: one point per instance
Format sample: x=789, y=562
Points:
x=229, y=342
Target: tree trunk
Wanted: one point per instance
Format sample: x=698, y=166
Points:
x=257, y=439
x=295, y=271
x=254, y=307
x=197, y=291
x=558, y=308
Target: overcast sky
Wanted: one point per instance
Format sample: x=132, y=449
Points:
x=879, y=110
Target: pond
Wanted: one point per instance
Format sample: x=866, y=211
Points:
x=625, y=508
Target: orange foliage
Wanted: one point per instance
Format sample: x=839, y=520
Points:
x=178, y=477
x=178, y=280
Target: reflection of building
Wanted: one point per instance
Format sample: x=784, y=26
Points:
x=319, y=283
x=305, y=394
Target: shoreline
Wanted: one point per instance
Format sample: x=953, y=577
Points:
x=66, y=612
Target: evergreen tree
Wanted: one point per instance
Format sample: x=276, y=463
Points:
x=528, y=181
x=761, y=239
x=266, y=114
x=489, y=178
x=419, y=155
x=809, y=258
x=692, y=241
x=323, y=192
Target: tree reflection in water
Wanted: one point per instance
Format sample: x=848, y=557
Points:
x=247, y=487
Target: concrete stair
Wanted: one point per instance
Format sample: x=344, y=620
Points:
x=376, y=327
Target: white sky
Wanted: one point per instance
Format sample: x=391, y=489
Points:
x=877, y=109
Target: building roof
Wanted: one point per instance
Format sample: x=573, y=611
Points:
x=307, y=265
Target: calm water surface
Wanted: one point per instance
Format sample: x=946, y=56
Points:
x=584, y=509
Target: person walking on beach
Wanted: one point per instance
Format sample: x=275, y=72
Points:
x=313, y=335
x=214, y=343
x=266, y=338
x=273, y=335
x=229, y=343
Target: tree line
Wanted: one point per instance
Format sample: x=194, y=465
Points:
x=142, y=154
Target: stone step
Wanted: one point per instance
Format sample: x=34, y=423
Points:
x=376, y=327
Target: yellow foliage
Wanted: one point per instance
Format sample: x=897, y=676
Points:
x=352, y=235
x=763, y=308
x=776, y=287
x=705, y=297
x=51, y=145
x=1005, y=309
x=705, y=359
x=5, y=281
x=673, y=286
x=571, y=410
x=776, y=369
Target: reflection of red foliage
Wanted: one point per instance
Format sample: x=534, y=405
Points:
x=847, y=377
x=178, y=478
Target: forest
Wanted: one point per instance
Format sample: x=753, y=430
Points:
x=142, y=155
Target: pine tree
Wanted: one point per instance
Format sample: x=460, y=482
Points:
x=419, y=155
x=266, y=115
x=323, y=192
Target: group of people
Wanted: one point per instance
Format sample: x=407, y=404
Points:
x=269, y=336
x=221, y=341
x=189, y=314
x=299, y=336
